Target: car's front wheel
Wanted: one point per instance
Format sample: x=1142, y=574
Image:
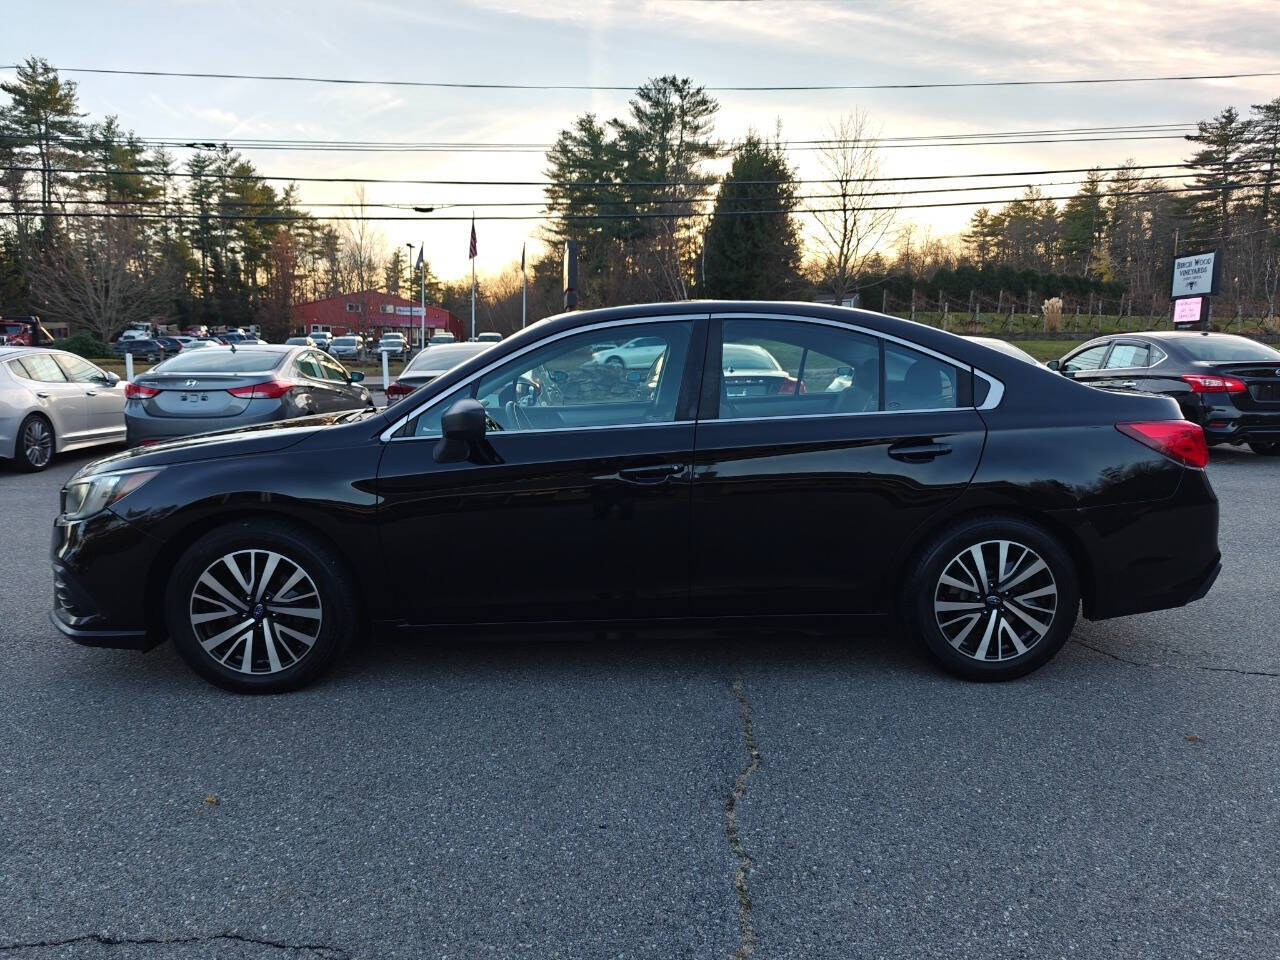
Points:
x=993, y=598
x=1266, y=449
x=260, y=607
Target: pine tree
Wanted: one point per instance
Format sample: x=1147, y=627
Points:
x=1084, y=222
x=753, y=256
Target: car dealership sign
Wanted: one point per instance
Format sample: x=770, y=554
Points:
x=1196, y=274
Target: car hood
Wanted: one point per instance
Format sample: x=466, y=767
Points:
x=260, y=438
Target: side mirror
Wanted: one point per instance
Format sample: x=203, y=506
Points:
x=355, y=376
x=462, y=427
x=1053, y=364
x=110, y=379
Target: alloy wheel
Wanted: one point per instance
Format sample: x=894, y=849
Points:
x=37, y=442
x=256, y=611
x=995, y=600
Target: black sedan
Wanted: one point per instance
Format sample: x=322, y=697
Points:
x=976, y=499
x=1230, y=385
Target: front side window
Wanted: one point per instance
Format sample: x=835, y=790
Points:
x=1090, y=359
x=781, y=368
x=573, y=383
x=79, y=370
x=332, y=370
x=1125, y=355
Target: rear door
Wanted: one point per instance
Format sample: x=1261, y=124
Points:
x=1125, y=367
x=801, y=499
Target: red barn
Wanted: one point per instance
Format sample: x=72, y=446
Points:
x=371, y=314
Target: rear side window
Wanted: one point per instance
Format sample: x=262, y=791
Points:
x=41, y=367
x=792, y=368
x=1124, y=355
x=1090, y=359
x=918, y=381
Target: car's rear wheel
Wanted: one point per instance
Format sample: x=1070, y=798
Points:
x=260, y=607
x=993, y=598
x=35, y=444
x=1266, y=449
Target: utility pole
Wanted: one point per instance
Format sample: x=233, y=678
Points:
x=408, y=288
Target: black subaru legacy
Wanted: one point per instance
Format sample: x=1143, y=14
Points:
x=907, y=476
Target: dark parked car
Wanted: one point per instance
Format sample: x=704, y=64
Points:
x=145, y=347
x=171, y=345
x=977, y=498
x=1229, y=385
x=429, y=364
x=218, y=388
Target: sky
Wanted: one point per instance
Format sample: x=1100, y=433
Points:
x=730, y=43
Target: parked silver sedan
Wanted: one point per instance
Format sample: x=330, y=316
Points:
x=52, y=401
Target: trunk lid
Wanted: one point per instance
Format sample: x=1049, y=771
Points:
x=197, y=395
x=1261, y=380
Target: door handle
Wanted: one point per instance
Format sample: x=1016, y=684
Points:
x=42, y=395
x=919, y=452
x=91, y=393
x=1129, y=384
x=652, y=476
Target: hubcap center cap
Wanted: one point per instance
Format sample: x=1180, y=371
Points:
x=259, y=611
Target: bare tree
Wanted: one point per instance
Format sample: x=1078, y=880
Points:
x=363, y=255
x=851, y=225
x=102, y=278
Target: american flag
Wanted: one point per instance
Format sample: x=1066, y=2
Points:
x=472, y=254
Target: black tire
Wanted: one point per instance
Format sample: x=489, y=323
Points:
x=334, y=597
x=964, y=648
x=615, y=362
x=1266, y=449
x=34, y=421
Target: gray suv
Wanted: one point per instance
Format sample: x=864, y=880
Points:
x=221, y=388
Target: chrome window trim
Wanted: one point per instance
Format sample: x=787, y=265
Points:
x=602, y=426
x=995, y=393
x=386, y=434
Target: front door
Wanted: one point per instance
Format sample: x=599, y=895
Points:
x=812, y=470
x=576, y=507
x=104, y=401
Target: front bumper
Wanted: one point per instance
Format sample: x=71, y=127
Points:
x=100, y=584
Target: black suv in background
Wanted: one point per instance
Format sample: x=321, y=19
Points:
x=1228, y=384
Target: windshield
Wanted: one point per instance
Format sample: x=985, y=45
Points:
x=221, y=361
x=344, y=341
x=1227, y=348
x=444, y=356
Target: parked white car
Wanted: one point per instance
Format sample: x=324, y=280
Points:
x=394, y=344
x=52, y=401
x=636, y=352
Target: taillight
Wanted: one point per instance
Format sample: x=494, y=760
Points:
x=267, y=390
x=1179, y=440
x=1209, y=383
x=139, y=391
x=397, y=390
x=790, y=384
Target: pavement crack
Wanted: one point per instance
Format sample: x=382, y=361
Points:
x=1176, y=666
x=108, y=940
x=746, y=928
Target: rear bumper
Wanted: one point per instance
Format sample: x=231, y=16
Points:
x=1150, y=556
x=141, y=429
x=1229, y=424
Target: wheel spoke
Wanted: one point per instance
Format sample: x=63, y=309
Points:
x=1040, y=628
x=236, y=646
x=958, y=640
x=948, y=605
x=981, y=652
x=976, y=552
x=1029, y=572
x=1007, y=629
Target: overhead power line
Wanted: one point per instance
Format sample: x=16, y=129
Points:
x=603, y=184
x=915, y=141
x=409, y=205
x=630, y=88
x=291, y=218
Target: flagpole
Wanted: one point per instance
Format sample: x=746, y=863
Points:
x=473, y=278
x=524, y=288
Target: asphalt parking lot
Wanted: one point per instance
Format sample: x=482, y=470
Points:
x=603, y=800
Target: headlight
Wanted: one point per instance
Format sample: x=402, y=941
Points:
x=84, y=497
